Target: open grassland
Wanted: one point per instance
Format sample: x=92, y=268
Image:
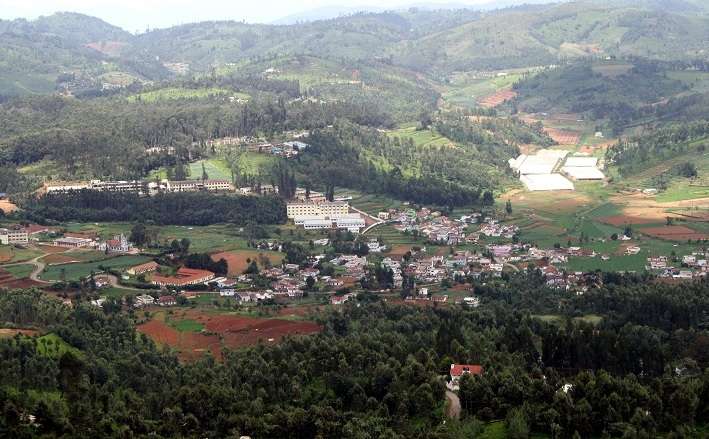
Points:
x=250, y=163
x=75, y=272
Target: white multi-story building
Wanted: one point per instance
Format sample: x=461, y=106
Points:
x=311, y=209
x=13, y=236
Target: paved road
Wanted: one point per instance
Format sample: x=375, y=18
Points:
x=453, y=406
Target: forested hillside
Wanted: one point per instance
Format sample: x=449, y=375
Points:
x=376, y=370
x=431, y=42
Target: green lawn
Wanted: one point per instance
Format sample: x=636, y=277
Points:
x=217, y=169
x=73, y=272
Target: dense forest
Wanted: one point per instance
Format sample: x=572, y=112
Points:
x=377, y=370
x=181, y=208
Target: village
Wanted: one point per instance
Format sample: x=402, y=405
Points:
x=347, y=255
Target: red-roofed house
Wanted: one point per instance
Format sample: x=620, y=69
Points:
x=458, y=370
x=184, y=276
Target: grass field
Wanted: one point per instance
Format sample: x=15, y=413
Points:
x=251, y=163
x=216, y=169
x=187, y=325
x=11, y=254
x=20, y=271
x=73, y=272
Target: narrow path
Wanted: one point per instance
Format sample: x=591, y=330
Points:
x=453, y=406
x=38, y=268
x=377, y=221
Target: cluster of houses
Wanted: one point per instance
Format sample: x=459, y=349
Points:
x=690, y=267
x=433, y=225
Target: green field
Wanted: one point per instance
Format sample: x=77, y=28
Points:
x=74, y=272
x=615, y=263
x=216, y=169
x=187, y=325
x=216, y=237
x=20, y=271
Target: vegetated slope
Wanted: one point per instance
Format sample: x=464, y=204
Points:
x=437, y=42
x=544, y=34
x=390, y=93
x=601, y=89
x=36, y=56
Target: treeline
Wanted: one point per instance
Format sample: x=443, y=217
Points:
x=637, y=153
x=108, y=137
x=187, y=208
x=338, y=157
x=375, y=370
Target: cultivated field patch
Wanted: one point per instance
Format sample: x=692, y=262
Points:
x=219, y=331
x=563, y=137
x=497, y=98
x=239, y=260
x=674, y=233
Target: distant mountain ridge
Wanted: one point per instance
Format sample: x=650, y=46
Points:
x=36, y=56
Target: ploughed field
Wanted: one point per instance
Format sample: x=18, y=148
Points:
x=193, y=333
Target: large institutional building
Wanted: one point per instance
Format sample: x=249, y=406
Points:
x=141, y=187
x=312, y=209
x=324, y=215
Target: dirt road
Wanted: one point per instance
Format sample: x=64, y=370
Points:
x=453, y=406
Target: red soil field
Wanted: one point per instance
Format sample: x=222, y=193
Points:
x=563, y=137
x=237, y=259
x=52, y=249
x=58, y=259
x=8, y=281
x=225, y=331
x=674, y=233
x=621, y=220
x=497, y=98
